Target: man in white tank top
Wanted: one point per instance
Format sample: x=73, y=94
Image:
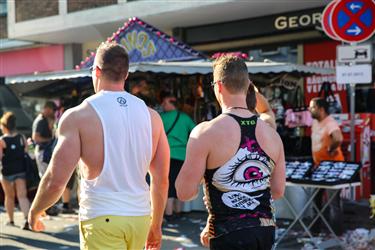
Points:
x=116, y=139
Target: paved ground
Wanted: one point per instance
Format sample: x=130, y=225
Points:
x=62, y=231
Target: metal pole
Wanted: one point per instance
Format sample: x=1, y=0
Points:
x=352, y=121
x=352, y=118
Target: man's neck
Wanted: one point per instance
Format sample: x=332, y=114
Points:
x=322, y=117
x=233, y=101
x=111, y=86
x=45, y=114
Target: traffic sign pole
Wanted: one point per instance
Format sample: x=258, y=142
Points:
x=351, y=21
x=352, y=121
x=352, y=118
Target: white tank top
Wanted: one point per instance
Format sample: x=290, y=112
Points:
x=121, y=188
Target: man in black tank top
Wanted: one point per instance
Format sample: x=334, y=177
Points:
x=241, y=160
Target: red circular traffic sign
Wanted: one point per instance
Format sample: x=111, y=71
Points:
x=353, y=20
x=326, y=20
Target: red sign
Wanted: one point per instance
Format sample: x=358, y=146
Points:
x=30, y=60
x=323, y=54
x=353, y=20
x=326, y=21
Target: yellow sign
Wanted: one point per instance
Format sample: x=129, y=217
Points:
x=139, y=40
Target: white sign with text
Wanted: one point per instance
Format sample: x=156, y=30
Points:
x=354, y=74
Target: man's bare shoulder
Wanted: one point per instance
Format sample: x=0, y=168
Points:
x=153, y=113
x=77, y=115
x=209, y=128
x=155, y=117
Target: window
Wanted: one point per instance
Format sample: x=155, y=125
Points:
x=3, y=7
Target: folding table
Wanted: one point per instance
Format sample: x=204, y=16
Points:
x=310, y=202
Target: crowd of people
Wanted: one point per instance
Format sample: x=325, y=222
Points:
x=117, y=140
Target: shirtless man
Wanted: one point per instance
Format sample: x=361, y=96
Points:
x=116, y=140
x=241, y=159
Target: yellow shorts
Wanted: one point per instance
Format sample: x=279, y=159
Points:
x=114, y=232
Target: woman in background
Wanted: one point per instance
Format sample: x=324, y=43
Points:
x=13, y=173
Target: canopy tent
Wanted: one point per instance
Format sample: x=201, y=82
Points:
x=54, y=82
x=48, y=84
x=205, y=67
x=145, y=43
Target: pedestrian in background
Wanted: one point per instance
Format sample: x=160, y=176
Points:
x=116, y=139
x=178, y=126
x=241, y=159
x=326, y=139
x=42, y=135
x=13, y=147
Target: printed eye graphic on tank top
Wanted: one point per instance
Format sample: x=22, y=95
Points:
x=247, y=172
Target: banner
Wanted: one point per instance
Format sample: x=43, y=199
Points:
x=323, y=54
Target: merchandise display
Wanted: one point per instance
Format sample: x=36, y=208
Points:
x=330, y=172
x=297, y=170
x=327, y=173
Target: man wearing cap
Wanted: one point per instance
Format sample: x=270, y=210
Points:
x=42, y=134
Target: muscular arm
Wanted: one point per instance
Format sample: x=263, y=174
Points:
x=64, y=159
x=336, y=140
x=278, y=174
x=192, y=171
x=159, y=170
x=264, y=109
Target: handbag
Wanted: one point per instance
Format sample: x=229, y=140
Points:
x=326, y=92
x=299, y=115
x=32, y=174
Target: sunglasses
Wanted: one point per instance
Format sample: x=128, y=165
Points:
x=92, y=68
x=212, y=84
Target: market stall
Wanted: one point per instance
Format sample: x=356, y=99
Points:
x=168, y=64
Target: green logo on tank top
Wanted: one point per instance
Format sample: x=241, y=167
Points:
x=248, y=123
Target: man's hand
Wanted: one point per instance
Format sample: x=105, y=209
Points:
x=332, y=152
x=154, y=238
x=205, y=236
x=35, y=223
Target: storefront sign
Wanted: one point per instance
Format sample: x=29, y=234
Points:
x=354, y=74
x=297, y=21
x=250, y=28
x=322, y=54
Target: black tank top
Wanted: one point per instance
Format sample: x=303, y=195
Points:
x=13, y=155
x=238, y=193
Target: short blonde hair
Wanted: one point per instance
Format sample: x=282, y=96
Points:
x=8, y=120
x=232, y=71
